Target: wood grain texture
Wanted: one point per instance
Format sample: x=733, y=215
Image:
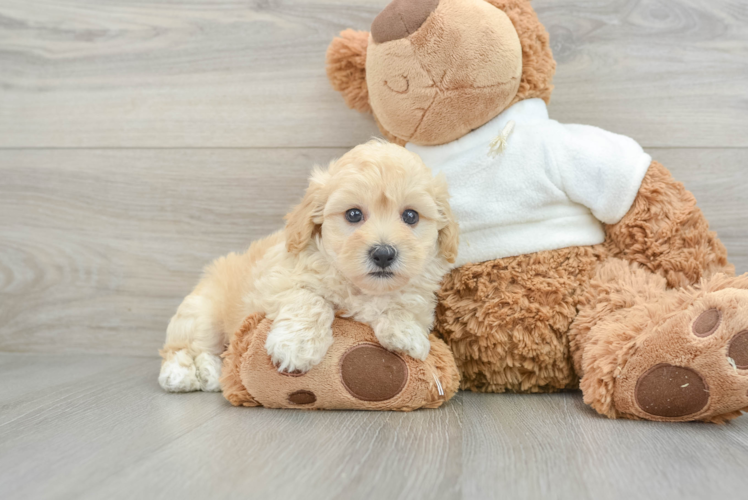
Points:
x=669, y=73
x=97, y=248
x=82, y=426
x=227, y=73
x=553, y=446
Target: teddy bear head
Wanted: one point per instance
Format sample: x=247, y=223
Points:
x=431, y=71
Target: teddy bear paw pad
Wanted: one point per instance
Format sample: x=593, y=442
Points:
x=693, y=366
x=371, y=373
x=671, y=391
x=738, y=350
x=707, y=323
x=302, y=398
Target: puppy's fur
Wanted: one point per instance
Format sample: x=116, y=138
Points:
x=320, y=265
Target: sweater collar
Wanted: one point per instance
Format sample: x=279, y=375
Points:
x=529, y=110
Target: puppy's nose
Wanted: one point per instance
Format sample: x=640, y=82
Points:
x=401, y=18
x=383, y=255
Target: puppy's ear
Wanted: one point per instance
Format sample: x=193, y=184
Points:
x=346, y=68
x=305, y=220
x=449, y=230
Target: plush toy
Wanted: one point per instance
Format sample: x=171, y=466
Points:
x=356, y=374
x=583, y=262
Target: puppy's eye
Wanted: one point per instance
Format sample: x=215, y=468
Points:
x=410, y=217
x=354, y=215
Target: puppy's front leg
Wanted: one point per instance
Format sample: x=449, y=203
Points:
x=301, y=332
x=400, y=330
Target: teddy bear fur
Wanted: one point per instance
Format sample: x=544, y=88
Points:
x=508, y=321
x=608, y=318
x=346, y=63
x=388, y=381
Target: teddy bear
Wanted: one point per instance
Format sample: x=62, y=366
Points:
x=582, y=263
x=356, y=374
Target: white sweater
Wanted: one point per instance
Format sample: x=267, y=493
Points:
x=550, y=188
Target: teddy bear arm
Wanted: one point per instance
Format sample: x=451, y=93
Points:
x=666, y=232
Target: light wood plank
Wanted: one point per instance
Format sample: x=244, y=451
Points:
x=85, y=426
x=69, y=422
x=552, y=446
x=165, y=73
x=288, y=454
x=110, y=432
x=669, y=73
x=717, y=177
x=99, y=247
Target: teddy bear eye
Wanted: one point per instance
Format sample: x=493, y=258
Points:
x=354, y=215
x=410, y=217
x=399, y=84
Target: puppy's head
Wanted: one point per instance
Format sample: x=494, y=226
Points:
x=378, y=215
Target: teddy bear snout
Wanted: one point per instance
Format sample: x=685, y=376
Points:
x=400, y=19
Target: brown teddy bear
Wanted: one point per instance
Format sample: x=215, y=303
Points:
x=583, y=263
x=356, y=374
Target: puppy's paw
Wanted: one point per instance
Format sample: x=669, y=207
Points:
x=179, y=373
x=410, y=338
x=208, y=371
x=295, y=347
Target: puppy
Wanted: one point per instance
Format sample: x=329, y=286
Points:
x=371, y=239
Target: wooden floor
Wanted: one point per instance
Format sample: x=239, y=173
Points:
x=83, y=427
x=140, y=139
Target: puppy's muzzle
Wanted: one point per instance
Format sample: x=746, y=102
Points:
x=383, y=256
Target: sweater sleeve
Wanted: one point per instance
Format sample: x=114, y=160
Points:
x=599, y=169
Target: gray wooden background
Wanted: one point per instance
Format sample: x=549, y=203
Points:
x=139, y=139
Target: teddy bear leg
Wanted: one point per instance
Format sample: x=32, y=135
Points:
x=666, y=233
x=646, y=352
x=507, y=320
x=356, y=373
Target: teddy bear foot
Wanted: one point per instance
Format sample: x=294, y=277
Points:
x=693, y=363
x=357, y=373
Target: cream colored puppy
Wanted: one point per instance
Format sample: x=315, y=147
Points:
x=371, y=239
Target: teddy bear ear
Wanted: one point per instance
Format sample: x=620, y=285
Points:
x=346, y=68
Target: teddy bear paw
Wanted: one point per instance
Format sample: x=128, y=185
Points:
x=695, y=364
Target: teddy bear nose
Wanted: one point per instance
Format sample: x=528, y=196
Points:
x=401, y=18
